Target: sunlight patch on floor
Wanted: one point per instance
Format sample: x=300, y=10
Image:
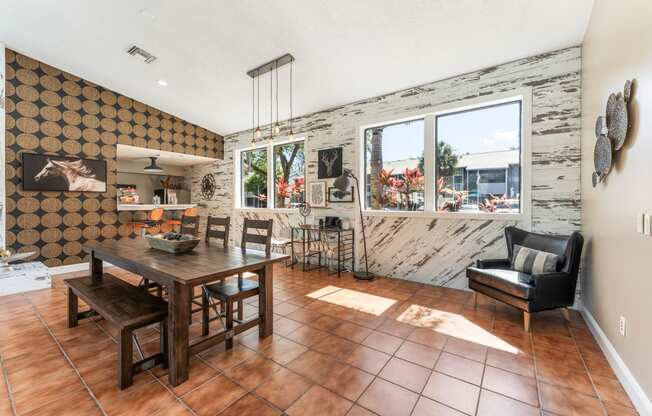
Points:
x=352, y=299
x=454, y=325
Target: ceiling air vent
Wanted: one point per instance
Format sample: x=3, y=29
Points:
x=136, y=51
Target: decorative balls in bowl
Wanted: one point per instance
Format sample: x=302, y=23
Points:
x=173, y=242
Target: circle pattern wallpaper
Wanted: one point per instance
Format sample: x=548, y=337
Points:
x=49, y=111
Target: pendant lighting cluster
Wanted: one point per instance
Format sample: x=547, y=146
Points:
x=274, y=126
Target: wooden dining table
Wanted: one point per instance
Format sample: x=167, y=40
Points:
x=180, y=273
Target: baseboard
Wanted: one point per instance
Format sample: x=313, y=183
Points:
x=70, y=268
x=631, y=386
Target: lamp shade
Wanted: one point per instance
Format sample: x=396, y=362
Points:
x=342, y=182
x=153, y=167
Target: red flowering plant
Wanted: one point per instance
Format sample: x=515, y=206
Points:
x=492, y=203
x=282, y=192
x=458, y=197
x=297, y=187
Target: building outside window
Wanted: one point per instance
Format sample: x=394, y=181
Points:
x=476, y=165
x=478, y=159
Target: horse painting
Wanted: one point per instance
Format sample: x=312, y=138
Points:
x=77, y=174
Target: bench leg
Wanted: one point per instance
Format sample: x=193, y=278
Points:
x=164, y=342
x=204, y=313
x=125, y=359
x=240, y=311
x=229, y=325
x=475, y=299
x=73, y=305
x=526, y=321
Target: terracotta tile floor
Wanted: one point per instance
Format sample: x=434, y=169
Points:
x=341, y=347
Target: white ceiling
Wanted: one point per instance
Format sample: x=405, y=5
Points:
x=345, y=50
x=132, y=153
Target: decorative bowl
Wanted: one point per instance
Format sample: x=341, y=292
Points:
x=185, y=244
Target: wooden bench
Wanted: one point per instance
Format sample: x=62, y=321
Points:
x=128, y=308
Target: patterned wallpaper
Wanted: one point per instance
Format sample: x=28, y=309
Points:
x=437, y=251
x=50, y=111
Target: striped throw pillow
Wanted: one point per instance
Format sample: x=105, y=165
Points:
x=530, y=261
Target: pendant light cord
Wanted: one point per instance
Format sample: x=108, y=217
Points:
x=276, y=93
x=291, y=65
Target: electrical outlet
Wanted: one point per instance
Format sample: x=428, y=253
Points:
x=622, y=326
x=647, y=226
x=640, y=222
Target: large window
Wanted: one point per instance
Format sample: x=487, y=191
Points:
x=478, y=159
x=254, y=178
x=394, y=166
x=457, y=161
x=286, y=174
x=289, y=171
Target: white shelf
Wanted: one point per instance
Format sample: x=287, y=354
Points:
x=149, y=207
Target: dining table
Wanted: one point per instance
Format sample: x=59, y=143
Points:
x=180, y=274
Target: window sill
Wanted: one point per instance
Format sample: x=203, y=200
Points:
x=480, y=216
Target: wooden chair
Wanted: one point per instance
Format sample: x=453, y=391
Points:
x=223, y=226
x=229, y=291
x=191, y=221
x=128, y=308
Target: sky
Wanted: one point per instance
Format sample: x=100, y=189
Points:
x=483, y=130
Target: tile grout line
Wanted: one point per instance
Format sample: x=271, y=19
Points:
x=586, y=368
x=86, y=386
x=10, y=396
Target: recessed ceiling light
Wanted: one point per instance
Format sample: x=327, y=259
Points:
x=162, y=82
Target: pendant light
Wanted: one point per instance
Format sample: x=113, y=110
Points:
x=253, y=111
x=277, y=127
x=258, y=132
x=153, y=167
x=271, y=108
x=291, y=135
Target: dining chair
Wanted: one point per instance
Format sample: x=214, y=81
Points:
x=230, y=292
x=188, y=219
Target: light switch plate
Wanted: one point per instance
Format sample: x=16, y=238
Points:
x=646, y=224
x=640, y=222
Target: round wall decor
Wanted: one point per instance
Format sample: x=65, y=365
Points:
x=208, y=186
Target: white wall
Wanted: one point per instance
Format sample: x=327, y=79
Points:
x=617, y=277
x=430, y=250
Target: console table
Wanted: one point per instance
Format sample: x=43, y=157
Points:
x=318, y=242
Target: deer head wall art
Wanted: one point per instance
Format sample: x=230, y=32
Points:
x=330, y=163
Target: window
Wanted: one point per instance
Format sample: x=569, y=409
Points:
x=286, y=175
x=455, y=161
x=254, y=178
x=289, y=170
x=394, y=166
x=478, y=159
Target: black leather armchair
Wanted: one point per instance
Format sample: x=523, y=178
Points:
x=530, y=293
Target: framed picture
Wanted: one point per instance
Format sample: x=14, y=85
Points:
x=330, y=163
x=336, y=196
x=63, y=173
x=318, y=194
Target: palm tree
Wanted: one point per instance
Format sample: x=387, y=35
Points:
x=376, y=165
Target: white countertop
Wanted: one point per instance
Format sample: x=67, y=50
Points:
x=149, y=207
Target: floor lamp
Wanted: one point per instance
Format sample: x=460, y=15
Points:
x=342, y=183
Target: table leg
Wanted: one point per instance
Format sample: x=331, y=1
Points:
x=178, y=338
x=265, y=302
x=95, y=266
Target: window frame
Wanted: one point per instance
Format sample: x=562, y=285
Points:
x=524, y=95
x=271, y=184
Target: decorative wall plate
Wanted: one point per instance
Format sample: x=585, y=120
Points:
x=599, y=124
x=618, y=123
x=595, y=178
x=611, y=104
x=602, y=155
x=627, y=91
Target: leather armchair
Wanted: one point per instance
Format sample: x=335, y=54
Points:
x=531, y=293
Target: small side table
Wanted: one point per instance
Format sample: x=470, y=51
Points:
x=311, y=239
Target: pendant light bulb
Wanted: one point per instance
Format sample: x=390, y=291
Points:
x=258, y=132
x=291, y=135
x=277, y=128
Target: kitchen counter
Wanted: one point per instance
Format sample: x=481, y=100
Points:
x=149, y=207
